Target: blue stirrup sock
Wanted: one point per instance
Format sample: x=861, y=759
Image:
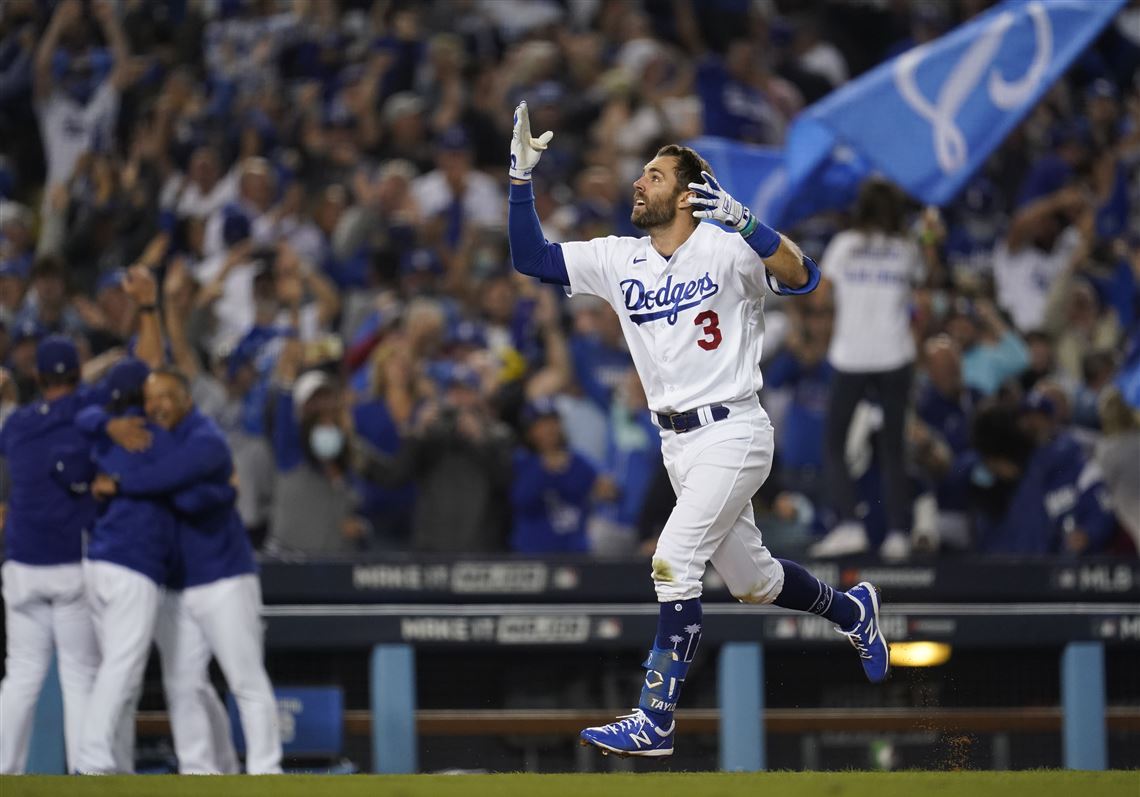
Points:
x=678, y=636
x=806, y=593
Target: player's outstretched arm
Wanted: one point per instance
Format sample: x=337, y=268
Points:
x=783, y=260
x=531, y=253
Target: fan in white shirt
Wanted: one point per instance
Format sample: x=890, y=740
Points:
x=873, y=269
x=76, y=111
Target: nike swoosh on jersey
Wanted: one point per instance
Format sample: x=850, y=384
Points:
x=639, y=260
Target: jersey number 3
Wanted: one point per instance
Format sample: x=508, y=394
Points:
x=709, y=322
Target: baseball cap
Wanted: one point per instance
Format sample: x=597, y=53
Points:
x=28, y=329
x=126, y=377
x=56, y=354
x=1037, y=401
x=1102, y=88
x=448, y=374
x=453, y=139
x=467, y=333
x=112, y=279
x=401, y=104
x=548, y=92
x=537, y=409
x=420, y=261
x=306, y=386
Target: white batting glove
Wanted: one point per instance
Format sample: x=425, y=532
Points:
x=717, y=204
x=525, y=150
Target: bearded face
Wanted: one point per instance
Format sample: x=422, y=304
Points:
x=655, y=209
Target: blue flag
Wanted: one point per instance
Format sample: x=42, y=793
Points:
x=758, y=177
x=753, y=174
x=928, y=118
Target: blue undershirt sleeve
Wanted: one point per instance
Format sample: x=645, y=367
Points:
x=814, y=276
x=531, y=253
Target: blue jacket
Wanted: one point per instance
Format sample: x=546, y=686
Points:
x=141, y=533
x=550, y=509
x=212, y=544
x=374, y=423
x=46, y=519
x=1059, y=490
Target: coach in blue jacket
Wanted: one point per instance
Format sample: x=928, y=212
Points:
x=221, y=596
x=130, y=555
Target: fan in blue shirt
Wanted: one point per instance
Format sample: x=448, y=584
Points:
x=552, y=488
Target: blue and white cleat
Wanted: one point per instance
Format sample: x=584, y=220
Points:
x=866, y=636
x=631, y=735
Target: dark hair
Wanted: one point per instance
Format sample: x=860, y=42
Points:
x=49, y=266
x=1098, y=364
x=996, y=433
x=690, y=164
x=173, y=373
x=881, y=207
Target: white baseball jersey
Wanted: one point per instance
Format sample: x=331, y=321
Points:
x=694, y=322
x=70, y=129
x=874, y=279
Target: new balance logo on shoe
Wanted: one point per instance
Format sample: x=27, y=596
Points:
x=866, y=636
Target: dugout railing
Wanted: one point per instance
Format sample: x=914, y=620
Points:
x=396, y=607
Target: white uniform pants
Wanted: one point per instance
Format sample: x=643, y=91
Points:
x=198, y=720
x=223, y=617
x=715, y=470
x=44, y=607
x=124, y=604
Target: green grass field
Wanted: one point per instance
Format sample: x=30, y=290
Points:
x=1040, y=783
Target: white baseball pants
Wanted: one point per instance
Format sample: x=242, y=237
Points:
x=198, y=720
x=223, y=617
x=715, y=470
x=124, y=605
x=44, y=608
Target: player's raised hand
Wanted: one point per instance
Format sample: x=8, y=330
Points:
x=525, y=149
x=713, y=202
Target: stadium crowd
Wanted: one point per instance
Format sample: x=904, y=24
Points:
x=319, y=188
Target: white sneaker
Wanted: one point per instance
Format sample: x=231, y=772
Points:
x=844, y=539
x=895, y=547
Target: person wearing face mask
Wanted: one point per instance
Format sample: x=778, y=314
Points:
x=315, y=505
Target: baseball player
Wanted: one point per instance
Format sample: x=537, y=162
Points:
x=129, y=556
x=220, y=600
x=44, y=605
x=691, y=297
